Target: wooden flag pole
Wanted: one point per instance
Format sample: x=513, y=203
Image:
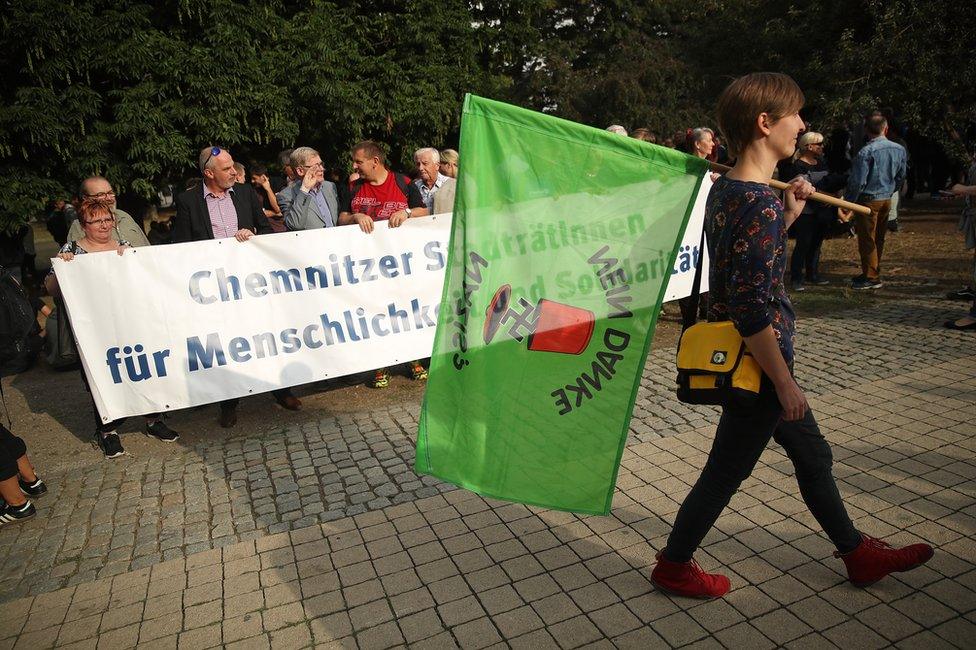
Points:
x=816, y=196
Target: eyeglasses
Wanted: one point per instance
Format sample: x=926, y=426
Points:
x=215, y=151
x=317, y=165
x=99, y=222
x=101, y=195
x=819, y=144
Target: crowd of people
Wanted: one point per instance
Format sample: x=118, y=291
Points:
x=226, y=200
x=746, y=224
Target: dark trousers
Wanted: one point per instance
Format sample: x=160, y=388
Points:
x=231, y=404
x=809, y=231
x=685, y=305
x=740, y=439
x=11, y=448
x=101, y=426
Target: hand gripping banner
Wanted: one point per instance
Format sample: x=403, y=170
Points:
x=563, y=240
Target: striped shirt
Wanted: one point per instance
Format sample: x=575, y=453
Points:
x=223, y=214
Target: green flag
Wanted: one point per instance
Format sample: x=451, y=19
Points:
x=563, y=240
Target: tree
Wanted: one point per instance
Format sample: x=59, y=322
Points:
x=132, y=90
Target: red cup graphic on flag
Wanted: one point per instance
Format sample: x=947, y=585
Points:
x=549, y=326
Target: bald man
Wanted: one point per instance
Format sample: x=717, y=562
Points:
x=98, y=188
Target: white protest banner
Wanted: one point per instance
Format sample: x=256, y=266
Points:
x=168, y=327
x=683, y=274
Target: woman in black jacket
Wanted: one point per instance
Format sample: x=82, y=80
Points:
x=811, y=226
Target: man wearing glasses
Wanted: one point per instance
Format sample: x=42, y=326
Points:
x=97, y=188
x=311, y=201
x=221, y=208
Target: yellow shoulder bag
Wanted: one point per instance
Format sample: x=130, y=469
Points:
x=714, y=366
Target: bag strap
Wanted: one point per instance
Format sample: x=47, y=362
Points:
x=691, y=313
x=3, y=400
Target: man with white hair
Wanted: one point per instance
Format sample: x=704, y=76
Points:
x=311, y=201
x=428, y=161
x=616, y=128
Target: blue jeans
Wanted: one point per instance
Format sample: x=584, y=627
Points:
x=739, y=441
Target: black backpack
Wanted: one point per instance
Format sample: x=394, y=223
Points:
x=18, y=323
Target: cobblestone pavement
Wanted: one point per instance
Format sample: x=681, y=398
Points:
x=324, y=533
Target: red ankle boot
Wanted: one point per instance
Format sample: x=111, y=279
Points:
x=688, y=579
x=873, y=559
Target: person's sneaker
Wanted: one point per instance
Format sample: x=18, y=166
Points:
x=110, y=444
x=35, y=489
x=797, y=285
x=818, y=281
x=14, y=514
x=160, y=431
x=860, y=285
x=688, y=579
x=893, y=225
x=873, y=559
x=417, y=372
x=966, y=293
x=381, y=379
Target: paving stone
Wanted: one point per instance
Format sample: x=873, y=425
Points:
x=855, y=634
x=480, y=633
x=420, y=625
x=201, y=637
x=296, y=636
x=236, y=524
x=158, y=628
x=384, y=635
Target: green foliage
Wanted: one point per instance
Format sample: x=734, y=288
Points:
x=132, y=89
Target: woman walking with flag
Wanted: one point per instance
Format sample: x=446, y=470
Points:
x=745, y=225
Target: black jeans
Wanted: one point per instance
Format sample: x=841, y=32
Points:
x=740, y=439
x=279, y=394
x=11, y=448
x=101, y=426
x=810, y=231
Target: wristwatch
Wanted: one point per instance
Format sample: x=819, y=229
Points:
x=408, y=211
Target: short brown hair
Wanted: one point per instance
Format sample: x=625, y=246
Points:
x=643, y=134
x=875, y=125
x=371, y=149
x=747, y=97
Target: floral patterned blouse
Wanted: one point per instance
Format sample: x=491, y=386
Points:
x=746, y=237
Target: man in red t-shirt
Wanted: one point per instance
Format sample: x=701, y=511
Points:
x=379, y=195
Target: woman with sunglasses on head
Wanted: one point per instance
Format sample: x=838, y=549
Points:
x=97, y=222
x=811, y=226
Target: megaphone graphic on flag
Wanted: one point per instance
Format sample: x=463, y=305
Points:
x=549, y=326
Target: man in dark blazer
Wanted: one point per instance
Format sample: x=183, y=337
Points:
x=218, y=208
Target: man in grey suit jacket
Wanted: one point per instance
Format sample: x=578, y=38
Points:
x=311, y=201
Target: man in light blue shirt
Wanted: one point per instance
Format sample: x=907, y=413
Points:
x=428, y=161
x=877, y=172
